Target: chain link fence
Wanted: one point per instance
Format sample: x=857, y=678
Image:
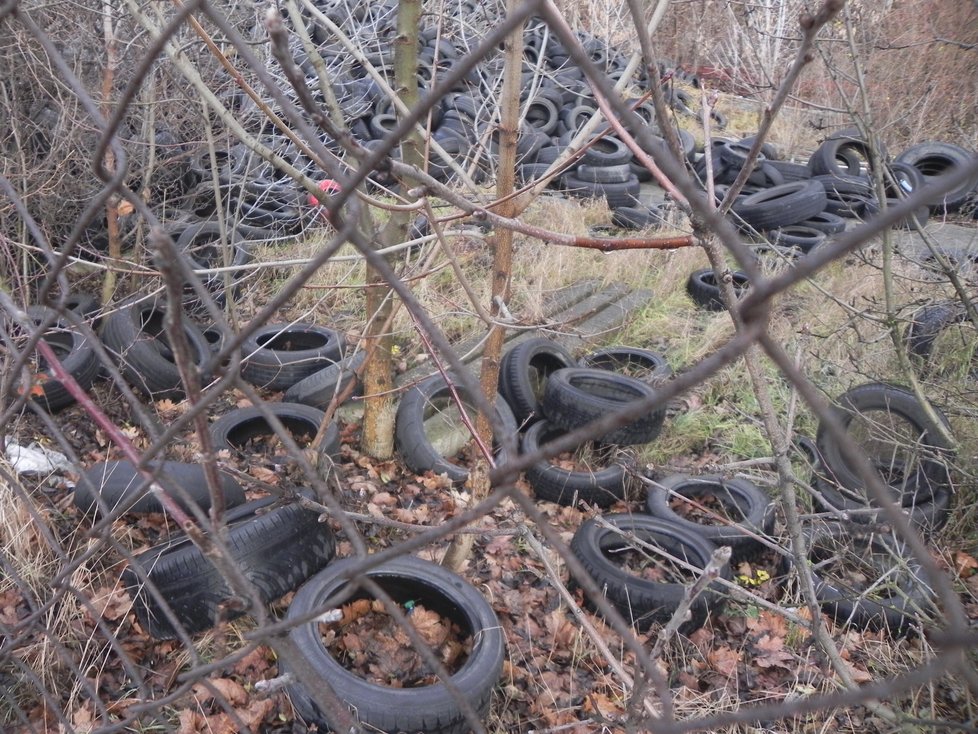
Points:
x=195, y=536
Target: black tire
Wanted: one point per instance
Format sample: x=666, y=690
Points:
x=575, y=396
x=603, y=486
x=917, y=463
x=652, y=366
x=277, y=356
x=616, y=194
x=542, y=114
x=205, y=244
x=928, y=516
x=926, y=325
x=276, y=551
x=112, y=485
x=76, y=354
x=233, y=431
x=606, y=151
x=84, y=305
x=791, y=171
x=430, y=402
x=903, y=180
x=202, y=242
x=319, y=388
x=936, y=159
x=780, y=205
x=749, y=508
x=826, y=222
x=604, y=174
x=427, y=709
x=523, y=374
x=804, y=238
x=843, y=154
x=703, y=288
x=637, y=217
x=851, y=197
x=881, y=562
x=134, y=334
x=734, y=153
x=640, y=601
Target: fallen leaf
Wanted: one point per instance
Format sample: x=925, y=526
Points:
x=603, y=705
x=965, y=564
x=111, y=603
x=724, y=660
x=263, y=474
x=125, y=208
x=232, y=691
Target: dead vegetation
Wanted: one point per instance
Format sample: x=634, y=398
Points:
x=74, y=658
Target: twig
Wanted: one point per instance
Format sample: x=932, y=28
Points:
x=599, y=642
x=718, y=559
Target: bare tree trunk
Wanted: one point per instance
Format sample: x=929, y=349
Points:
x=502, y=271
x=111, y=207
x=379, y=410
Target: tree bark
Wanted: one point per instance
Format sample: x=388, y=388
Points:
x=502, y=271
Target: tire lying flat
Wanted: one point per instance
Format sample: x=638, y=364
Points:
x=118, y=485
x=428, y=709
x=575, y=396
x=641, y=601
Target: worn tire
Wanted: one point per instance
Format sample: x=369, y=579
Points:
x=898, y=612
x=423, y=403
x=826, y=222
x=638, y=217
x=603, y=486
x=926, y=325
x=703, y=289
x=781, y=205
x=116, y=485
x=928, y=516
x=234, y=430
x=277, y=356
x=427, y=709
x=936, y=159
x=746, y=499
x=319, y=388
x=653, y=366
x=607, y=151
x=801, y=236
x=523, y=374
x=616, y=194
x=930, y=454
x=134, y=334
x=76, y=354
x=575, y=396
x=640, y=601
x=276, y=551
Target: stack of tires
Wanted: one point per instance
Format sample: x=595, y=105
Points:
x=796, y=206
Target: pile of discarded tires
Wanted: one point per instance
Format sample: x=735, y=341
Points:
x=550, y=395
x=277, y=546
x=796, y=206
